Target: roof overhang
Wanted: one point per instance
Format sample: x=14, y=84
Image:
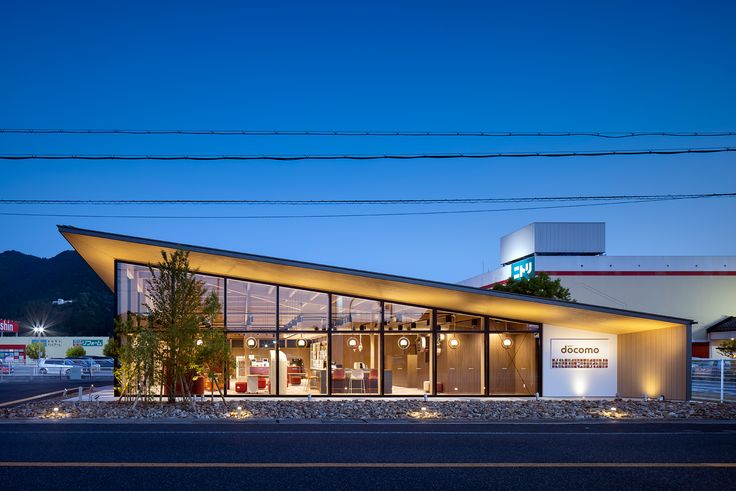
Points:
x=100, y=250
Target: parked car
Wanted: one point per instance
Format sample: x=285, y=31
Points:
x=55, y=366
x=88, y=365
x=106, y=362
x=6, y=368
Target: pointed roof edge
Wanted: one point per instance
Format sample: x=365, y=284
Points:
x=69, y=229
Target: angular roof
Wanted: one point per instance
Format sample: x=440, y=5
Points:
x=724, y=325
x=102, y=249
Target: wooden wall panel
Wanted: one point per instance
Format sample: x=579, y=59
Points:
x=460, y=370
x=653, y=363
x=513, y=370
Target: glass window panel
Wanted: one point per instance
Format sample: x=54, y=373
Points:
x=306, y=357
x=355, y=362
x=216, y=285
x=503, y=325
x=513, y=363
x=460, y=364
x=132, y=288
x=407, y=363
x=251, y=306
x=355, y=314
x=450, y=321
x=302, y=310
x=398, y=317
x=254, y=372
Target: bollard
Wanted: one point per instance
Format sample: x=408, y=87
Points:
x=426, y=397
x=309, y=397
x=91, y=389
x=80, y=391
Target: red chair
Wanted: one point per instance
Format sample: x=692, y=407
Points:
x=373, y=380
x=241, y=387
x=263, y=374
x=338, y=379
x=294, y=375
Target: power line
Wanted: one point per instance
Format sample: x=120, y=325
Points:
x=563, y=153
x=596, y=134
x=426, y=201
x=334, y=215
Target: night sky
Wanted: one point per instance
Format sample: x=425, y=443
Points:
x=432, y=66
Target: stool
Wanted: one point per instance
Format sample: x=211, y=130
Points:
x=241, y=387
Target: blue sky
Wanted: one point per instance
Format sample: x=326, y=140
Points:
x=370, y=66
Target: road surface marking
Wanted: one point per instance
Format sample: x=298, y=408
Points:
x=402, y=465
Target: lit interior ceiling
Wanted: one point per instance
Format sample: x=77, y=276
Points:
x=100, y=250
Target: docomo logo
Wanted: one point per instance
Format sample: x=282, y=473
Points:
x=572, y=349
x=8, y=326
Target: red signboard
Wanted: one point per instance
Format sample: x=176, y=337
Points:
x=8, y=326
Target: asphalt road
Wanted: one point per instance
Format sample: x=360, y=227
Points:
x=16, y=390
x=368, y=455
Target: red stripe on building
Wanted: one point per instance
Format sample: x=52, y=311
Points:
x=641, y=273
x=627, y=273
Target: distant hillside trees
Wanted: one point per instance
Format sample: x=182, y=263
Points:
x=27, y=282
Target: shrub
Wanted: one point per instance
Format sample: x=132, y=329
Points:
x=75, y=351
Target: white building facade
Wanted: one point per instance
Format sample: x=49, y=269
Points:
x=702, y=288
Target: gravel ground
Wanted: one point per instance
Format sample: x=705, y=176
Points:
x=385, y=409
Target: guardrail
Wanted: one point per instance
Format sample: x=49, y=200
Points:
x=714, y=379
x=31, y=372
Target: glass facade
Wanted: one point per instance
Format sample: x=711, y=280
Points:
x=460, y=352
x=355, y=314
x=132, y=284
x=251, y=306
x=302, y=310
x=296, y=342
x=513, y=358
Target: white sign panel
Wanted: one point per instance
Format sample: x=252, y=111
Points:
x=579, y=353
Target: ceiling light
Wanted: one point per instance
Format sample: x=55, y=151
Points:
x=301, y=343
x=251, y=343
x=507, y=343
x=454, y=343
x=404, y=342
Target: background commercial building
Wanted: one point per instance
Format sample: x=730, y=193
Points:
x=13, y=348
x=299, y=328
x=702, y=288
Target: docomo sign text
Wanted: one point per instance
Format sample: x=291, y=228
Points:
x=573, y=349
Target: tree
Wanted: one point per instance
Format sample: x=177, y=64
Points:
x=174, y=300
x=34, y=351
x=541, y=285
x=176, y=343
x=75, y=351
x=139, y=370
x=728, y=348
x=111, y=348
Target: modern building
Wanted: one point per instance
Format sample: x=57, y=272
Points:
x=298, y=328
x=702, y=288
